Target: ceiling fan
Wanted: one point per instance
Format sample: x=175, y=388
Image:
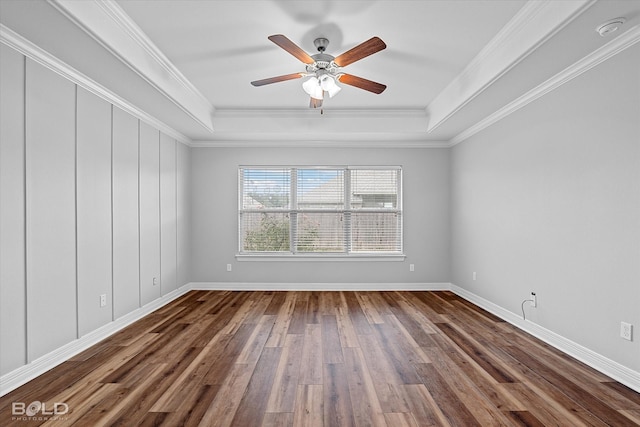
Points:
x=325, y=70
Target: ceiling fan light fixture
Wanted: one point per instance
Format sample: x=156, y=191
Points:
x=328, y=84
x=324, y=70
x=313, y=88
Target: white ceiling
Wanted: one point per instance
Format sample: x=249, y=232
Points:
x=220, y=46
x=448, y=64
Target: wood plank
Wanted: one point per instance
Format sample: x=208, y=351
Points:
x=332, y=350
x=194, y=407
x=524, y=418
x=369, y=308
x=451, y=406
x=423, y=407
x=358, y=319
x=401, y=360
x=276, y=302
x=256, y=341
x=346, y=331
x=283, y=319
x=122, y=412
x=478, y=404
x=326, y=303
x=476, y=353
x=376, y=299
x=590, y=402
x=313, y=308
x=416, y=326
x=385, y=377
x=256, y=396
x=309, y=411
x=225, y=358
x=192, y=377
x=278, y=419
x=80, y=402
x=632, y=414
x=624, y=391
x=402, y=419
x=364, y=400
x=312, y=355
x=298, y=317
x=244, y=314
x=539, y=407
x=285, y=383
x=224, y=406
x=338, y=409
x=405, y=339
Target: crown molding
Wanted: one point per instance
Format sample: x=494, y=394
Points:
x=288, y=140
x=534, y=24
x=348, y=113
x=109, y=25
x=328, y=128
x=44, y=58
x=615, y=46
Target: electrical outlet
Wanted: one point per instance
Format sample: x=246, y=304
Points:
x=474, y=275
x=534, y=299
x=412, y=267
x=228, y=267
x=626, y=331
x=155, y=281
x=103, y=300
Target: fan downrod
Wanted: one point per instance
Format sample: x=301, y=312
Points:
x=321, y=44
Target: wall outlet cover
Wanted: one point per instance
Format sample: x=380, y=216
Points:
x=626, y=331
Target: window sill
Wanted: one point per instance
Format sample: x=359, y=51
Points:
x=321, y=257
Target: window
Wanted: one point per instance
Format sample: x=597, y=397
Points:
x=314, y=211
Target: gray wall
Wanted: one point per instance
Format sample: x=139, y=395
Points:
x=215, y=217
x=548, y=200
x=92, y=202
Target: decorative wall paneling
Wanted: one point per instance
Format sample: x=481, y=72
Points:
x=126, y=241
x=50, y=108
x=13, y=309
x=84, y=188
x=93, y=210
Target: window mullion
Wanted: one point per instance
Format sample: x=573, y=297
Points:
x=347, y=211
x=293, y=209
x=400, y=222
x=240, y=207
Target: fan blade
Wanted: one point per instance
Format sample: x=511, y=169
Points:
x=277, y=79
x=361, y=83
x=292, y=48
x=315, y=103
x=371, y=46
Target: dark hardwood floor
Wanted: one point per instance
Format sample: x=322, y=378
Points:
x=214, y=358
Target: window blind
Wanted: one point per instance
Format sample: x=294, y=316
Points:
x=320, y=210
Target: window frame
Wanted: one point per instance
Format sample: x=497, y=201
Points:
x=293, y=210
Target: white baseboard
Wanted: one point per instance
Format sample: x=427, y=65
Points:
x=613, y=369
x=26, y=373
x=269, y=286
x=22, y=375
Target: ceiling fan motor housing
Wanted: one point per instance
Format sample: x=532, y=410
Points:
x=323, y=61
